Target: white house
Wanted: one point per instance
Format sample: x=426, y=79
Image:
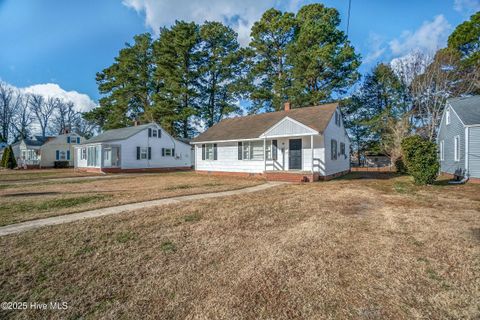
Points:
x=144, y=147
x=44, y=151
x=304, y=144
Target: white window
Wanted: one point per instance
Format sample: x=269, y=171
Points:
x=442, y=150
x=337, y=118
x=83, y=154
x=333, y=149
x=143, y=153
x=271, y=150
x=456, y=145
x=168, y=152
x=447, y=117
x=93, y=156
x=154, y=133
x=209, y=151
x=253, y=150
x=342, y=149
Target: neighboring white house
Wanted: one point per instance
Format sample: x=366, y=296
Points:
x=138, y=148
x=304, y=144
x=27, y=151
x=59, y=148
x=42, y=152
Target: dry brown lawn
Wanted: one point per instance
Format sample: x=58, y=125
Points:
x=353, y=248
x=22, y=202
x=38, y=174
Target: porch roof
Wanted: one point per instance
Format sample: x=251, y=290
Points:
x=253, y=126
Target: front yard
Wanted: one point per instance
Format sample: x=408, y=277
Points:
x=27, y=200
x=353, y=248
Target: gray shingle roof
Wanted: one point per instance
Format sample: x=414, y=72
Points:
x=467, y=108
x=118, y=134
x=252, y=126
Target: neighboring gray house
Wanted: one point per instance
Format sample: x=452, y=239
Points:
x=459, y=138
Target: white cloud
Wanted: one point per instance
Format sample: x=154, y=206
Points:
x=240, y=15
x=466, y=6
x=431, y=36
x=82, y=101
x=377, y=48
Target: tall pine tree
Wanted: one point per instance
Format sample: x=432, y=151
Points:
x=177, y=59
x=323, y=61
x=126, y=86
x=270, y=75
x=221, y=69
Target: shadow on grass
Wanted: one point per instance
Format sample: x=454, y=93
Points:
x=357, y=175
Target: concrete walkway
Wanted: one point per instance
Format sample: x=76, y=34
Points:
x=33, y=224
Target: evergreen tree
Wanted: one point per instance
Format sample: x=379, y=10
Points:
x=323, y=61
x=177, y=74
x=8, y=158
x=466, y=39
x=127, y=86
x=222, y=66
x=270, y=74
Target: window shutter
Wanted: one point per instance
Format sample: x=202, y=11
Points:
x=274, y=150
x=68, y=139
x=163, y=152
x=78, y=140
x=57, y=155
x=68, y=154
x=203, y=151
x=173, y=152
x=138, y=153
x=149, y=132
x=149, y=153
x=159, y=133
x=214, y=151
x=240, y=150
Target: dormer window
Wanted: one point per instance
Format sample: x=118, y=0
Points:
x=447, y=117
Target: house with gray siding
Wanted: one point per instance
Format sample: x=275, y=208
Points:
x=459, y=138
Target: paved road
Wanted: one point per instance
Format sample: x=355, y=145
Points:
x=29, y=225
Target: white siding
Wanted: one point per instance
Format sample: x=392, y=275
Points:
x=474, y=152
x=288, y=127
x=338, y=133
x=48, y=150
x=227, y=157
x=128, y=151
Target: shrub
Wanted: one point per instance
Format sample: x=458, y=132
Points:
x=400, y=166
x=61, y=164
x=8, y=158
x=420, y=158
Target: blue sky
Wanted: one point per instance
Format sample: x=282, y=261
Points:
x=64, y=43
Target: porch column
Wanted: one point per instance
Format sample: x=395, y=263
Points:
x=311, y=147
x=264, y=154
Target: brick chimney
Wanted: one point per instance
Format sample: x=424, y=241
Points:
x=135, y=123
x=287, y=106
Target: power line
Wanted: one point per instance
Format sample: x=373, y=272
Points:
x=348, y=17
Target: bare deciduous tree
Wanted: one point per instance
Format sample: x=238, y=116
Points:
x=43, y=110
x=442, y=79
x=7, y=101
x=23, y=117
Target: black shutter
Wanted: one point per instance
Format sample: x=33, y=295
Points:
x=138, y=153
x=203, y=151
x=159, y=133
x=240, y=150
x=149, y=153
x=214, y=151
x=163, y=152
x=149, y=132
x=274, y=150
x=173, y=152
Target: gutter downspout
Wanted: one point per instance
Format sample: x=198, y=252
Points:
x=467, y=131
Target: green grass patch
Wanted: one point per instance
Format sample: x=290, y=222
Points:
x=194, y=217
x=126, y=236
x=47, y=205
x=168, y=246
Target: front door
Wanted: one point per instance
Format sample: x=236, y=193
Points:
x=295, y=154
